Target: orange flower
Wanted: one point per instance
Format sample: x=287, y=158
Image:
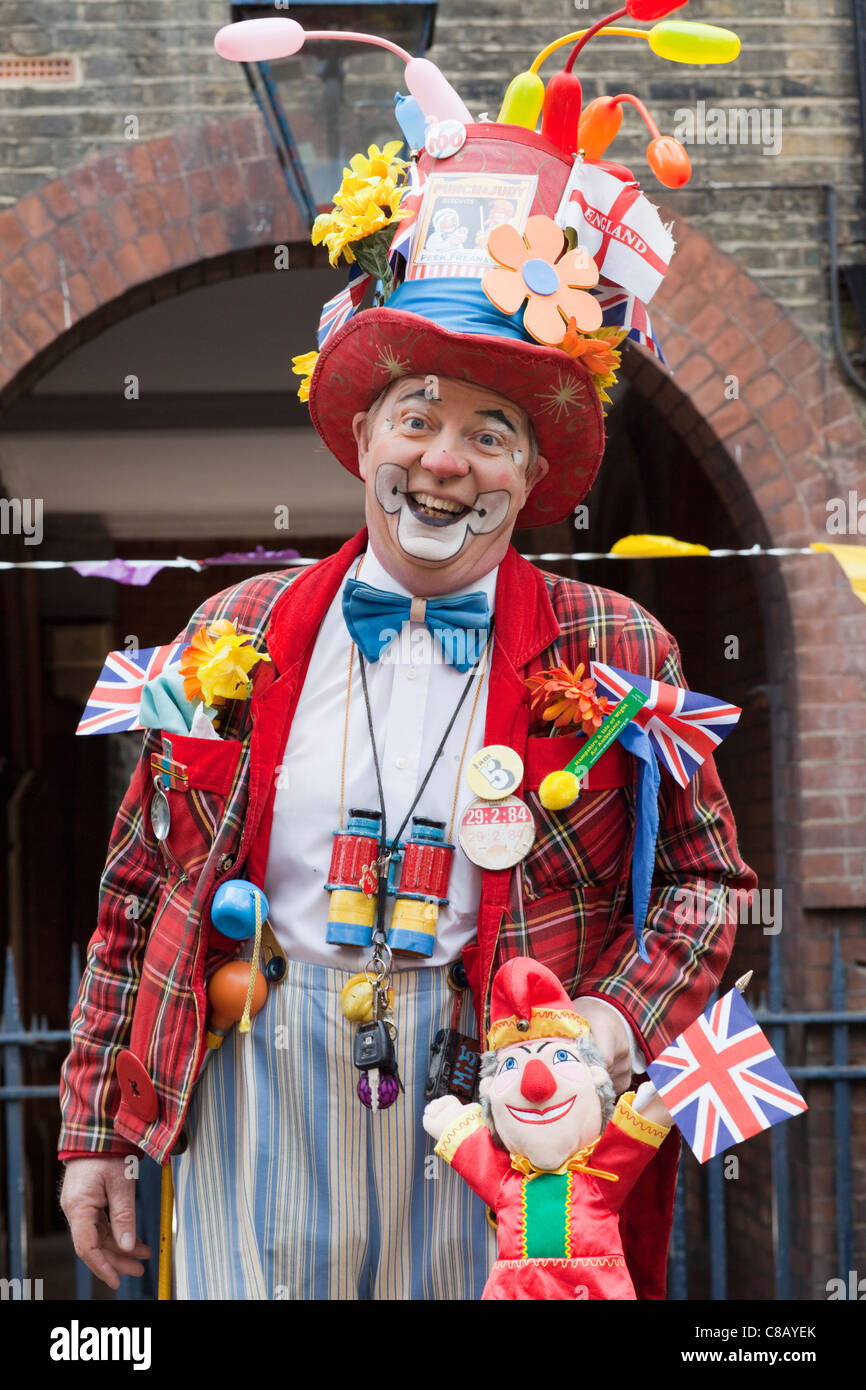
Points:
x=568, y=698
x=533, y=267
x=598, y=351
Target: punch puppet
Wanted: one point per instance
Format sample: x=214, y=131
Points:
x=337, y=833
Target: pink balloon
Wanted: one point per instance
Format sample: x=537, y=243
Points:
x=256, y=40
x=434, y=93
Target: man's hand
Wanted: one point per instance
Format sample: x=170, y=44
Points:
x=610, y=1031
x=106, y=1244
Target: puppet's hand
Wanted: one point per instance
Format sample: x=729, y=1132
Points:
x=440, y=1114
x=648, y=1102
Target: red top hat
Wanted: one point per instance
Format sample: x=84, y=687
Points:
x=445, y=325
x=527, y=1001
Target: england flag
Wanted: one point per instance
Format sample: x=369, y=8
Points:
x=722, y=1081
x=112, y=706
x=619, y=227
x=683, y=726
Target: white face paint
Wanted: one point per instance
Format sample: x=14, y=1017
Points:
x=427, y=537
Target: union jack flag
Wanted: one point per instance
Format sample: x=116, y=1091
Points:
x=340, y=309
x=112, y=706
x=411, y=202
x=683, y=726
x=722, y=1081
x=620, y=309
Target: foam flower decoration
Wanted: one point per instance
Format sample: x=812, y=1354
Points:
x=533, y=267
x=304, y=365
x=567, y=698
x=598, y=352
x=216, y=664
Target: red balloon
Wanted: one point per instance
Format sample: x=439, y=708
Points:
x=560, y=114
x=669, y=161
x=652, y=9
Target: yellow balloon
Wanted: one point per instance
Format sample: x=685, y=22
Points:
x=558, y=790
x=523, y=100
x=682, y=42
x=644, y=547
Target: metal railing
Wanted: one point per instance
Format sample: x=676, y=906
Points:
x=775, y=1020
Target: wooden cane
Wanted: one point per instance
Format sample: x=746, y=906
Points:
x=166, y=1211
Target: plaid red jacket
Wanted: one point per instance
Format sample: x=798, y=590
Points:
x=568, y=904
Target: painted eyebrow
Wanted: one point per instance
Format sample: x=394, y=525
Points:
x=413, y=395
x=497, y=415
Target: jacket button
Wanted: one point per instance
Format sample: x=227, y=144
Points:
x=226, y=862
x=457, y=977
x=136, y=1087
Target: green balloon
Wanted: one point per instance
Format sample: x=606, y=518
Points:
x=682, y=42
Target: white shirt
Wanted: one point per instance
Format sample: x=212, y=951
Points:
x=413, y=693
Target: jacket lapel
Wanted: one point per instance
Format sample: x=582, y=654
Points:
x=525, y=626
x=290, y=638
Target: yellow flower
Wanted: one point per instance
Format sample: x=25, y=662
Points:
x=598, y=351
x=304, y=365
x=216, y=664
x=377, y=164
x=367, y=201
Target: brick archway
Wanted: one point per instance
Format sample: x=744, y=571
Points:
x=153, y=218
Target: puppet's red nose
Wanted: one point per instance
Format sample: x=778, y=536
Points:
x=537, y=1084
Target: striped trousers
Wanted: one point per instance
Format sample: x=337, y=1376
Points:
x=291, y=1189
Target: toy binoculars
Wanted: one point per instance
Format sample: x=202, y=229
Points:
x=418, y=874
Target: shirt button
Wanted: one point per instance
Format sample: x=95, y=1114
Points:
x=411, y=674
x=400, y=762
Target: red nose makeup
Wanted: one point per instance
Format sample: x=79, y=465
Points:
x=537, y=1084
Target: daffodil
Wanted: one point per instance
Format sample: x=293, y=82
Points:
x=216, y=664
x=304, y=365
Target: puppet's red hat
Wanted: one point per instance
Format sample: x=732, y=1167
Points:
x=527, y=1001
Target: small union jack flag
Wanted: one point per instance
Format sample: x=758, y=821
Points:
x=340, y=309
x=722, y=1081
x=623, y=310
x=112, y=706
x=411, y=203
x=683, y=726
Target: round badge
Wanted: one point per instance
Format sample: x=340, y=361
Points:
x=444, y=138
x=496, y=835
x=495, y=772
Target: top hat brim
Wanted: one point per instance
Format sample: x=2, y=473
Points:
x=557, y=392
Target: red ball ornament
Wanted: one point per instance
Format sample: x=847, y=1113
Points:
x=652, y=9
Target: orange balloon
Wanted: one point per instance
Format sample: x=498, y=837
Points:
x=599, y=125
x=227, y=993
x=669, y=161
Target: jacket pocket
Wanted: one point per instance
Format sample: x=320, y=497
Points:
x=197, y=807
x=587, y=844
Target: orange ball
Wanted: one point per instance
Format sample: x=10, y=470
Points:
x=669, y=161
x=227, y=993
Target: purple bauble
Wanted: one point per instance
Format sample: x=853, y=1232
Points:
x=389, y=1089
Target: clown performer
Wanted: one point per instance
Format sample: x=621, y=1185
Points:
x=339, y=782
x=549, y=1149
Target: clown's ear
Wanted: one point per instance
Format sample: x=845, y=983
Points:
x=599, y=1076
x=484, y=1086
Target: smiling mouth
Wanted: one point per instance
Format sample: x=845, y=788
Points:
x=541, y=1117
x=436, y=511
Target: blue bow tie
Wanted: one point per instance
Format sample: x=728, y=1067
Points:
x=459, y=625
